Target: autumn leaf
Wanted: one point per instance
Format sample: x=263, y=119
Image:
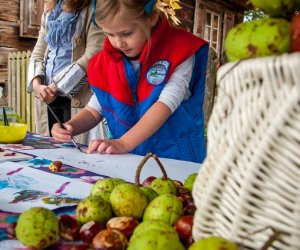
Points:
x=168, y=7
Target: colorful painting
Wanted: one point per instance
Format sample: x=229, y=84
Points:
x=8, y=155
x=22, y=187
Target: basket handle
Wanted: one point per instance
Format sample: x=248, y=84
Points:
x=142, y=163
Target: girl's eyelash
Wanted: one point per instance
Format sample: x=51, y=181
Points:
x=126, y=33
x=122, y=34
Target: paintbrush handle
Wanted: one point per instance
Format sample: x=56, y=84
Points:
x=5, y=120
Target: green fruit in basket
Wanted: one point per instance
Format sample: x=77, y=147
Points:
x=163, y=186
x=93, y=208
x=104, y=187
x=189, y=181
x=37, y=228
x=128, y=200
x=166, y=207
x=154, y=235
x=258, y=38
x=213, y=243
x=277, y=8
x=149, y=193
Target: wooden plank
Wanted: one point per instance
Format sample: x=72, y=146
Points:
x=22, y=92
x=30, y=117
x=10, y=10
x=9, y=37
x=210, y=86
x=9, y=78
x=12, y=80
x=18, y=86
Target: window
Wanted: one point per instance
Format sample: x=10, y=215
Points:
x=212, y=29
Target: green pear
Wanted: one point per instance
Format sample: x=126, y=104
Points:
x=37, y=228
x=166, y=207
x=149, y=193
x=128, y=200
x=104, y=187
x=258, y=38
x=277, y=8
x=213, y=243
x=158, y=235
x=163, y=186
x=93, y=208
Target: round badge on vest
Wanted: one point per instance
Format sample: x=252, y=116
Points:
x=157, y=73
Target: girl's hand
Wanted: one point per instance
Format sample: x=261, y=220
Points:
x=60, y=134
x=105, y=146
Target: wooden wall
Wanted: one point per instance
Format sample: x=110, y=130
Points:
x=9, y=37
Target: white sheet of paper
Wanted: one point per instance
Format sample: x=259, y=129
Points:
x=23, y=187
x=5, y=156
x=121, y=166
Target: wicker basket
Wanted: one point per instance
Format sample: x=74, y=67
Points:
x=250, y=179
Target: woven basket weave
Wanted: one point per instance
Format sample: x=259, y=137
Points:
x=250, y=179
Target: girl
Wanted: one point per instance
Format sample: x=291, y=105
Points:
x=149, y=84
x=57, y=70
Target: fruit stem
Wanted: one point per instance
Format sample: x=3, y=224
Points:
x=139, y=169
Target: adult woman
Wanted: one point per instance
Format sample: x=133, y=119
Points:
x=57, y=70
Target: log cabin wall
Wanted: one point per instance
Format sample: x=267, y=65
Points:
x=10, y=40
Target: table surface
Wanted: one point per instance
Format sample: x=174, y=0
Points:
x=81, y=167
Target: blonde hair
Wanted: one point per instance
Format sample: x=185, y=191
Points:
x=135, y=11
x=68, y=6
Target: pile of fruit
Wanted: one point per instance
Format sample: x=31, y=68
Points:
x=156, y=214
x=273, y=35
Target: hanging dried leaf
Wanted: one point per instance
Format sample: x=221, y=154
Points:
x=168, y=7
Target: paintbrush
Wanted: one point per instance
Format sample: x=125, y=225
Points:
x=5, y=120
x=61, y=124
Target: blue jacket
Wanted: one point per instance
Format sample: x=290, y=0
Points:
x=124, y=98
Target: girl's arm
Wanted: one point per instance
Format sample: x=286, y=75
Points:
x=146, y=126
x=151, y=121
x=81, y=122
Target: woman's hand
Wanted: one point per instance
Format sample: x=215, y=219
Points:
x=60, y=134
x=49, y=93
x=105, y=146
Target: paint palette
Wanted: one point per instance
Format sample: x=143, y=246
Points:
x=8, y=155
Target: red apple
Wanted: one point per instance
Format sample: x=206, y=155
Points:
x=295, y=33
x=68, y=227
x=189, y=209
x=110, y=239
x=124, y=224
x=186, y=199
x=11, y=230
x=184, y=227
x=89, y=230
x=148, y=180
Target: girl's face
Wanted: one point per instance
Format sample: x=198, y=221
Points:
x=126, y=36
